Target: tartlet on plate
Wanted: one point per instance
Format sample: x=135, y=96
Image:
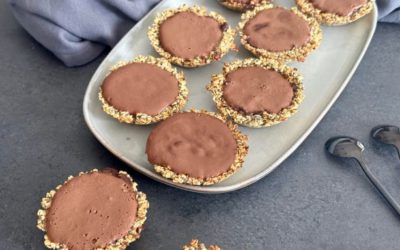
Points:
x=191, y=36
x=242, y=5
x=278, y=33
x=256, y=92
x=144, y=90
x=338, y=12
x=196, y=245
x=94, y=210
x=196, y=148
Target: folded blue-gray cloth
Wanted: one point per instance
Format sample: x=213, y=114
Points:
x=77, y=31
x=389, y=11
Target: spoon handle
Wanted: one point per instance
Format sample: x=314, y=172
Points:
x=379, y=186
x=397, y=146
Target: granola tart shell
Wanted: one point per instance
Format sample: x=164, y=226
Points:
x=242, y=150
x=236, y=6
x=196, y=245
x=120, y=244
x=264, y=119
x=225, y=45
x=142, y=118
x=331, y=18
x=295, y=54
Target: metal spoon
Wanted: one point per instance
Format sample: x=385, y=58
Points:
x=347, y=147
x=387, y=134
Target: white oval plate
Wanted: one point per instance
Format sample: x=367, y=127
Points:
x=326, y=73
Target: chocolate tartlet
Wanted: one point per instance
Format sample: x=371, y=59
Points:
x=196, y=148
x=95, y=210
x=257, y=93
x=242, y=5
x=336, y=12
x=196, y=245
x=278, y=33
x=143, y=91
x=191, y=36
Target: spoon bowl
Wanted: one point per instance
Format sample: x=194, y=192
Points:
x=345, y=147
x=387, y=134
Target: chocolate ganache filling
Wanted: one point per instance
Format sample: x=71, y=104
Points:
x=198, y=145
x=188, y=35
x=277, y=30
x=92, y=211
x=140, y=88
x=254, y=90
x=339, y=7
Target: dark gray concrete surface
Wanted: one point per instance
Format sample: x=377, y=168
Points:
x=309, y=202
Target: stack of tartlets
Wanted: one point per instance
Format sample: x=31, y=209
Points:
x=201, y=147
x=196, y=147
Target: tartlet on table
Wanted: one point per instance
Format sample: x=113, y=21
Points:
x=257, y=92
x=338, y=12
x=196, y=245
x=278, y=33
x=143, y=91
x=196, y=147
x=191, y=36
x=242, y=5
x=99, y=209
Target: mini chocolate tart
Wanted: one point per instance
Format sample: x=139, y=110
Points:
x=191, y=36
x=196, y=245
x=257, y=93
x=242, y=5
x=95, y=210
x=278, y=33
x=143, y=91
x=337, y=12
x=196, y=148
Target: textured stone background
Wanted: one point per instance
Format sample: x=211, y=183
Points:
x=310, y=202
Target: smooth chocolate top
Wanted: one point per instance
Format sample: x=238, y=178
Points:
x=276, y=30
x=140, y=88
x=339, y=7
x=188, y=35
x=92, y=210
x=255, y=89
x=198, y=145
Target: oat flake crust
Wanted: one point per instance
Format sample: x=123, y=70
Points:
x=196, y=245
x=237, y=6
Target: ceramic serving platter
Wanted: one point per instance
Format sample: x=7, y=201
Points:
x=326, y=73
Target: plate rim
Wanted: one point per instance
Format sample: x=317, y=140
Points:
x=251, y=180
